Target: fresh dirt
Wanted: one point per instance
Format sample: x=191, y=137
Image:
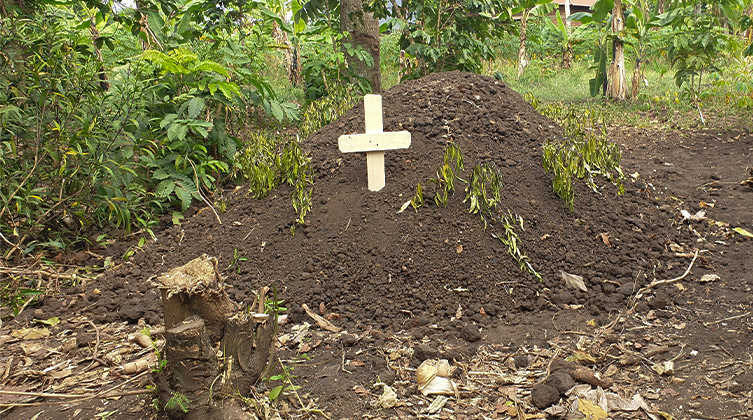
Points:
x=434, y=283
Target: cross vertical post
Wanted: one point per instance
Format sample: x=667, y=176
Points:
x=374, y=142
x=372, y=111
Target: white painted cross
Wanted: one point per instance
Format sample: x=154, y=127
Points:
x=374, y=142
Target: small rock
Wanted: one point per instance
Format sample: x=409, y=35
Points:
x=563, y=298
x=349, y=340
x=521, y=361
x=491, y=309
x=543, y=395
x=470, y=333
x=659, y=302
x=424, y=351
x=456, y=354
x=561, y=380
x=387, y=376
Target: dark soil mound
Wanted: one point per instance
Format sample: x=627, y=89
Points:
x=371, y=265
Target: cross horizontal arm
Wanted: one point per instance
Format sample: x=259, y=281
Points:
x=374, y=142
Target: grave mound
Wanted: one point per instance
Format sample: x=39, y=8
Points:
x=372, y=266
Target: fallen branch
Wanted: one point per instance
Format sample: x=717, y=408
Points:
x=707, y=324
x=580, y=373
x=321, y=321
x=43, y=273
x=657, y=283
x=75, y=398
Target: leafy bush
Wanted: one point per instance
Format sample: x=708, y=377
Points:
x=268, y=161
x=66, y=152
x=446, y=35
x=84, y=147
x=583, y=153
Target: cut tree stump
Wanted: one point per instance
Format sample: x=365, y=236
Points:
x=214, y=348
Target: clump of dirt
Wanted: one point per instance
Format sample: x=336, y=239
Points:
x=372, y=266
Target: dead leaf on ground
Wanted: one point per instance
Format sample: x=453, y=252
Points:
x=618, y=403
x=591, y=410
x=707, y=278
x=699, y=216
x=31, y=333
x=582, y=358
x=50, y=322
x=388, y=399
x=360, y=390
x=605, y=238
x=356, y=363
x=676, y=247
x=664, y=368
x=574, y=281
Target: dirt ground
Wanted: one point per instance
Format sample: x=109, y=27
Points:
x=435, y=284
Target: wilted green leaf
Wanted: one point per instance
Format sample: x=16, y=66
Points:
x=743, y=232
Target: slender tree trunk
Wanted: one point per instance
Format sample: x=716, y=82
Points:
x=103, y=83
x=522, y=62
x=290, y=52
x=567, y=14
x=616, y=72
x=637, y=77
x=567, y=54
x=362, y=29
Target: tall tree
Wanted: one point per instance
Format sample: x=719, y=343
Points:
x=362, y=30
x=617, y=83
x=526, y=9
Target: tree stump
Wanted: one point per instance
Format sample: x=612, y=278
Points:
x=214, y=348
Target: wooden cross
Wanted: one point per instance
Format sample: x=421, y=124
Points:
x=374, y=142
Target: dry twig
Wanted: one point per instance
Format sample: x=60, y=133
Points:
x=657, y=283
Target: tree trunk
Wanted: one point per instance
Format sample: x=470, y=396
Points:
x=567, y=54
x=637, y=77
x=214, y=348
x=362, y=29
x=103, y=83
x=290, y=52
x=616, y=72
x=522, y=62
x=567, y=14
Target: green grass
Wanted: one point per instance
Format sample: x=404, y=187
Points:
x=726, y=98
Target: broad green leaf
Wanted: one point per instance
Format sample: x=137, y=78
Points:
x=582, y=17
x=184, y=25
x=195, y=106
x=275, y=392
x=160, y=174
x=156, y=24
x=165, y=188
x=211, y=66
x=172, y=132
x=601, y=9
x=277, y=110
x=169, y=118
x=184, y=196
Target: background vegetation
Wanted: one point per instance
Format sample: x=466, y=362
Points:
x=112, y=116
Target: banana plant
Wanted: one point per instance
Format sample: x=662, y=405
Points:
x=638, y=26
x=600, y=17
x=526, y=9
x=566, y=38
